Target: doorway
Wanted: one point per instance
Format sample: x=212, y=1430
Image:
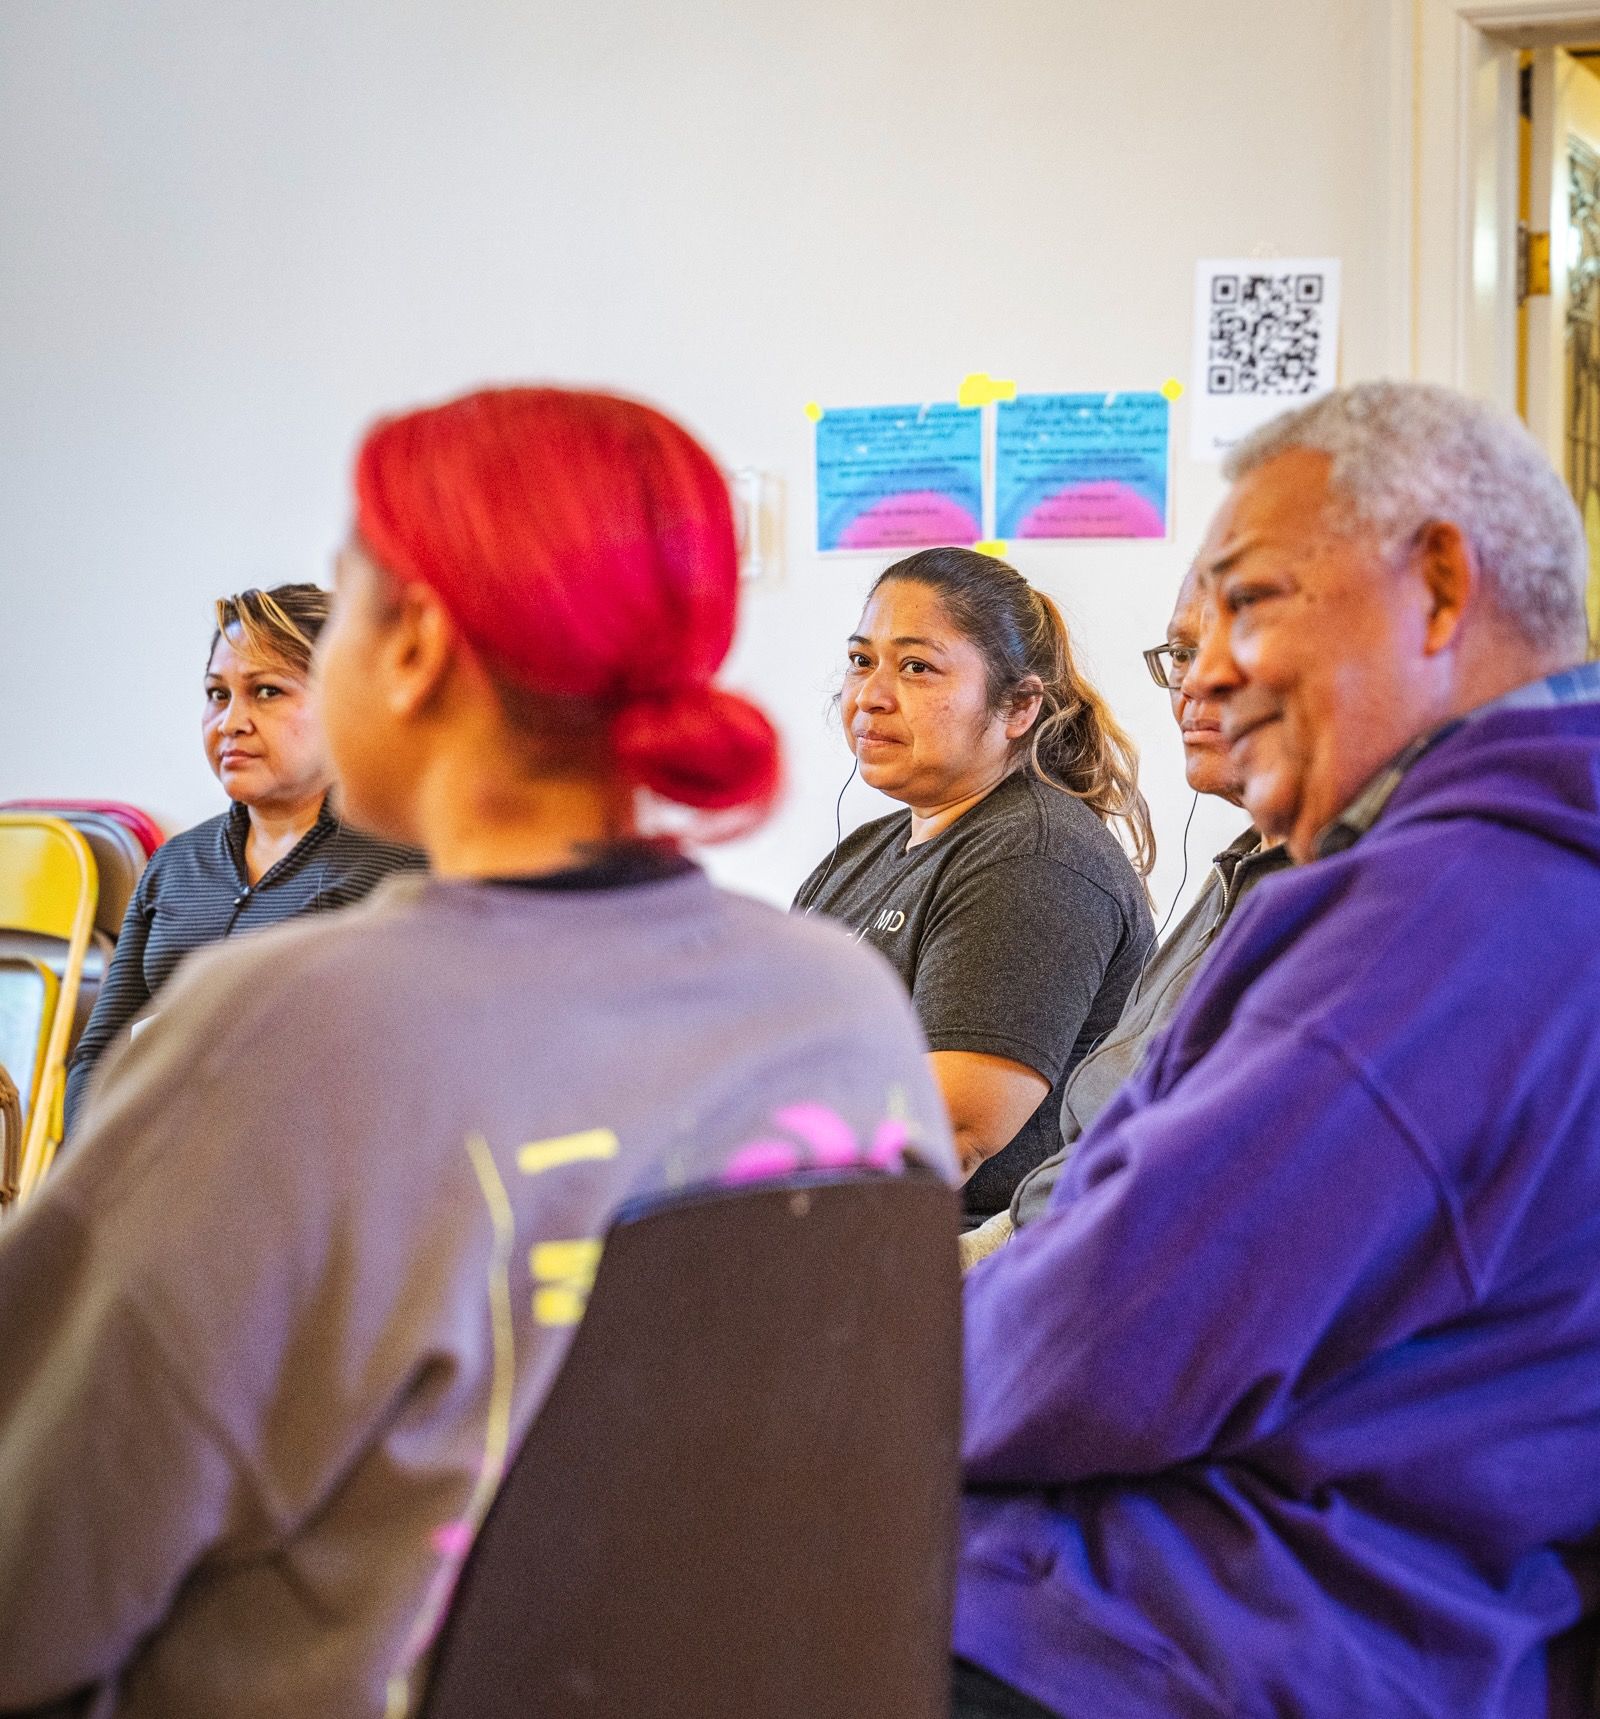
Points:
x=1558, y=276
x=1504, y=185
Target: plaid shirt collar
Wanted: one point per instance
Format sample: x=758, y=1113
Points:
x=1580, y=685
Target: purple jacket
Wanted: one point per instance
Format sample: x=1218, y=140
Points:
x=1290, y=1406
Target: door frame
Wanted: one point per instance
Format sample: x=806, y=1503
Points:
x=1454, y=221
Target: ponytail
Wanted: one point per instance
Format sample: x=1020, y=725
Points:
x=1076, y=744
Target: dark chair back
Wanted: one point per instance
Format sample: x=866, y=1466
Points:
x=120, y=860
x=739, y=1500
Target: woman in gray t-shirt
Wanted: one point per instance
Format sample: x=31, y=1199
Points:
x=1001, y=896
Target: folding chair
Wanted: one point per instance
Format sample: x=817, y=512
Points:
x=140, y=825
x=48, y=889
x=51, y=953
x=29, y=991
x=119, y=860
x=740, y=1496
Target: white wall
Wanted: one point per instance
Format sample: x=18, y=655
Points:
x=232, y=230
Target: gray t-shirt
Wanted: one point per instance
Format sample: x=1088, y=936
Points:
x=1018, y=931
x=275, y=1326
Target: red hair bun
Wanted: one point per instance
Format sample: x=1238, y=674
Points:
x=699, y=747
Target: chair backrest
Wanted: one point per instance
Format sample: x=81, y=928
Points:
x=48, y=887
x=739, y=1498
x=119, y=861
x=54, y=953
x=140, y=825
x=28, y=996
x=46, y=872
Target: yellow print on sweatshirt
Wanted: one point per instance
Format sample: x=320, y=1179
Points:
x=563, y=1275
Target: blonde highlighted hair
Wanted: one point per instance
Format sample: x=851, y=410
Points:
x=280, y=626
x=1075, y=744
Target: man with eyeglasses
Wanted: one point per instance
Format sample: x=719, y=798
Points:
x=1290, y=1404
x=1170, y=969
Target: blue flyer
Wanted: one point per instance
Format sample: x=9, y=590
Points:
x=899, y=477
x=1081, y=465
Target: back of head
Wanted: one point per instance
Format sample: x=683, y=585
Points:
x=1075, y=744
x=584, y=546
x=279, y=626
x=1403, y=454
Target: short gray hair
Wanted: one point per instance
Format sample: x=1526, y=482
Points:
x=1406, y=453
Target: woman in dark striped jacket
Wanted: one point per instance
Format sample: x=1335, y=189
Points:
x=277, y=852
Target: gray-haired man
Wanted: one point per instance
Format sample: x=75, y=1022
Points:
x=1290, y=1404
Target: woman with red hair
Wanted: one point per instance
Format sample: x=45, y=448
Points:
x=276, y=1326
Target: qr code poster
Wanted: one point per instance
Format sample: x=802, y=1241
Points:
x=1266, y=338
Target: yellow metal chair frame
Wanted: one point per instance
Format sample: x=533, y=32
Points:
x=48, y=885
x=10, y=1136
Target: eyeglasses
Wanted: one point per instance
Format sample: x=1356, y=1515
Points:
x=1168, y=664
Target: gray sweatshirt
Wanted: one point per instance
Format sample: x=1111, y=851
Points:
x=274, y=1329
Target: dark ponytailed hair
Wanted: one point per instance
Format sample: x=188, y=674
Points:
x=1075, y=744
